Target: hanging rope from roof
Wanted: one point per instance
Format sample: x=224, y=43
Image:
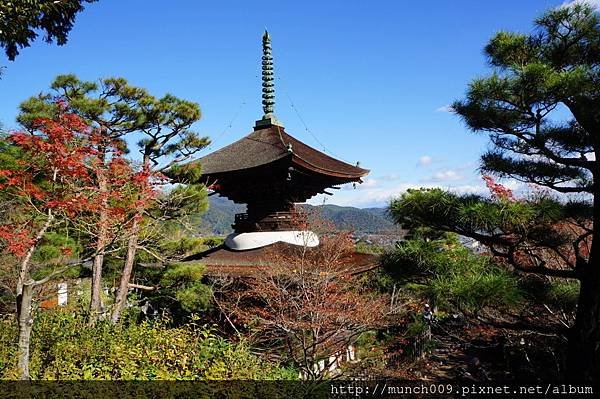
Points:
x=308, y=130
x=228, y=127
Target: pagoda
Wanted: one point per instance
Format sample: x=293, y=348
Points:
x=270, y=171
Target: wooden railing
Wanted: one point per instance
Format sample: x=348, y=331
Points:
x=278, y=221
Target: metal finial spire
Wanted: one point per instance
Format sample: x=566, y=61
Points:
x=268, y=90
x=268, y=86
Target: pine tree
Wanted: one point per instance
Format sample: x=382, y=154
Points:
x=538, y=78
x=116, y=110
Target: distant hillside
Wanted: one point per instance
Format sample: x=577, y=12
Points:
x=220, y=215
x=218, y=219
x=368, y=221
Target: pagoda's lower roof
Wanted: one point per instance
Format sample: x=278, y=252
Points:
x=222, y=260
x=269, y=144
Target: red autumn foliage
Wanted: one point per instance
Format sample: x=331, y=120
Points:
x=17, y=241
x=48, y=177
x=308, y=301
x=563, y=245
x=57, y=175
x=497, y=190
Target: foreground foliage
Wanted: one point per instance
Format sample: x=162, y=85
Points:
x=450, y=276
x=64, y=347
x=22, y=20
x=306, y=304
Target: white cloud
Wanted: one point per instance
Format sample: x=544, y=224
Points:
x=392, y=177
x=593, y=3
x=425, y=160
x=445, y=108
x=378, y=196
x=469, y=189
x=514, y=185
x=381, y=196
x=445, y=175
x=367, y=183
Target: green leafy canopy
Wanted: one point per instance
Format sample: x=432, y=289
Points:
x=22, y=20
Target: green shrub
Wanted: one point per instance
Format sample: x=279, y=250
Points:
x=182, y=272
x=64, y=347
x=183, y=246
x=471, y=290
x=560, y=293
x=194, y=297
x=416, y=328
x=183, y=281
x=366, y=248
x=212, y=241
x=564, y=293
x=370, y=349
x=8, y=349
x=450, y=275
x=54, y=246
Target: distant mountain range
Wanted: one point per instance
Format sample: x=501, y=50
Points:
x=220, y=216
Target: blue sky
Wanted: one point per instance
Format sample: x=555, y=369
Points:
x=370, y=80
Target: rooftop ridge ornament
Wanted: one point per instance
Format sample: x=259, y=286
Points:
x=268, y=85
x=268, y=90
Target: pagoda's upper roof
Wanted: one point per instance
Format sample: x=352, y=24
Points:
x=269, y=144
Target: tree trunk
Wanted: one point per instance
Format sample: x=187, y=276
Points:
x=121, y=297
x=24, y=293
x=95, y=303
x=583, y=363
x=25, y=325
x=24, y=269
x=583, y=358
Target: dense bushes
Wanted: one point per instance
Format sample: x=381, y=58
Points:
x=451, y=275
x=556, y=293
x=65, y=347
